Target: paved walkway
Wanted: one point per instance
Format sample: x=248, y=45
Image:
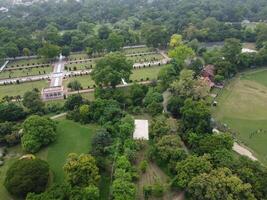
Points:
x=243, y=151
x=57, y=76
x=3, y=66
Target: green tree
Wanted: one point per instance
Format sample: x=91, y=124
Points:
x=73, y=101
x=189, y=168
x=37, y=132
x=114, y=42
x=155, y=35
x=11, y=50
x=181, y=53
x=100, y=143
x=103, y=32
x=84, y=111
x=74, y=85
x=65, y=51
x=215, y=142
x=196, y=116
x=32, y=100
x=159, y=127
x=219, y=184
x=231, y=50
x=111, y=69
x=49, y=51
x=11, y=112
x=81, y=170
x=26, y=52
x=27, y=175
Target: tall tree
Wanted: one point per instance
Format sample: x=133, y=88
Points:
x=111, y=69
x=81, y=170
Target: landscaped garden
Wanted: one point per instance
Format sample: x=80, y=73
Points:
x=19, y=89
x=72, y=137
x=6, y=74
x=242, y=107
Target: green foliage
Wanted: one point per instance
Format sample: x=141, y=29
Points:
x=111, y=69
x=114, y=42
x=65, y=51
x=181, y=53
x=27, y=175
x=215, y=142
x=137, y=93
x=143, y=166
x=159, y=127
x=174, y=106
x=37, y=132
x=49, y=50
x=101, y=141
x=231, y=50
x=81, y=170
x=11, y=112
x=155, y=35
x=189, y=168
x=126, y=127
x=32, y=100
x=196, y=116
x=168, y=151
x=219, y=184
x=73, y=101
x=74, y=85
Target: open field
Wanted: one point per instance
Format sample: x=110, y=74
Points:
x=242, y=106
x=20, y=89
x=72, y=138
x=25, y=72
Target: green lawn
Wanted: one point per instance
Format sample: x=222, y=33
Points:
x=242, y=106
x=138, y=50
x=72, y=138
x=20, y=89
x=138, y=74
x=24, y=62
x=25, y=72
x=144, y=73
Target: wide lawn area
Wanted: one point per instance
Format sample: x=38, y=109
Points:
x=20, y=89
x=72, y=138
x=25, y=72
x=138, y=74
x=242, y=105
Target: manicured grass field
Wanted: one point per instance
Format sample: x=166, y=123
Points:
x=144, y=73
x=138, y=74
x=27, y=61
x=242, y=106
x=72, y=138
x=85, y=80
x=20, y=89
x=138, y=50
x=25, y=72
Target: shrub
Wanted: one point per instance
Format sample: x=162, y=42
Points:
x=27, y=175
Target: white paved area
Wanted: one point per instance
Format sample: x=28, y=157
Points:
x=243, y=151
x=141, y=130
x=4, y=65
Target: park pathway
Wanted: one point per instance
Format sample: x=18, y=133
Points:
x=243, y=151
x=58, y=73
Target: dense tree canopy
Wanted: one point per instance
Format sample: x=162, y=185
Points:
x=27, y=175
x=111, y=69
x=37, y=132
